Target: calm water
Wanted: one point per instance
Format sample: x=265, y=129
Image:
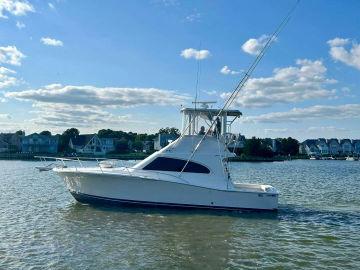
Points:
x=317, y=226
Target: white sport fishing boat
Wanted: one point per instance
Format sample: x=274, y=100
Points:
x=191, y=172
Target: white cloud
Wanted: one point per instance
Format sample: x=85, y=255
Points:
x=253, y=46
x=211, y=92
x=20, y=25
x=92, y=107
x=346, y=111
x=58, y=107
x=194, y=17
x=326, y=129
x=346, y=55
x=338, y=42
x=64, y=116
x=11, y=55
x=15, y=7
x=345, y=90
x=4, y=116
x=51, y=6
x=6, y=78
x=276, y=130
x=96, y=96
x=167, y=3
x=226, y=71
x=292, y=84
x=196, y=54
x=51, y=42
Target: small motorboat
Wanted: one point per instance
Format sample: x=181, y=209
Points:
x=45, y=168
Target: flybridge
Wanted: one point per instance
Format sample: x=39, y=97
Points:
x=196, y=121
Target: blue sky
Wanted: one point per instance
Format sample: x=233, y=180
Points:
x=130, y=65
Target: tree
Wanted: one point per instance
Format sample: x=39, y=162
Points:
x=138, y=145
x=65, y=138
x=167, y=130
x=71, y=132
x=20, y=133
x=288, y=146
x=140, y=137
x=121, y=146
x=255, y=147
x=45, y=133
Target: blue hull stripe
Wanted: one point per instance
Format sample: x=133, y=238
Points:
x=92, y=199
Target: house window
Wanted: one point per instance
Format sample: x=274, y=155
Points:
x=175, y=165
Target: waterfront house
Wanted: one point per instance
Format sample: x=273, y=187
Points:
x=271, y=144
x=91, y=144
x=334, y=146
x=235, y=142
x=108, y=144
x=11, y=142
x=148, y=146
x=346, y=146
x=356, y=147
x=310, y=147
x=322, y=146
x=163, y=140
x=36, y=143
x=4, y=146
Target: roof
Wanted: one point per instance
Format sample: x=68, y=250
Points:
x=80, y=140
x=3, y=143
x=309, y=142
x=7, y=136
x=212, y=111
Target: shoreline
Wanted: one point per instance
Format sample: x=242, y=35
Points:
x=133, y=156
x=141, y=156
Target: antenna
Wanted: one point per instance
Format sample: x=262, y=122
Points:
x=246, y=76
x=197, y=79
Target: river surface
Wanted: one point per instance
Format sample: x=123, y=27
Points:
x=316, y=227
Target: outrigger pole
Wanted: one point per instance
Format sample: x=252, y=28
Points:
x=246, y=76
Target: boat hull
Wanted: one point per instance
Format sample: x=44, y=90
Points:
x=133, y=190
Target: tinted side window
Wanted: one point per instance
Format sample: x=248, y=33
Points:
x=175, y=165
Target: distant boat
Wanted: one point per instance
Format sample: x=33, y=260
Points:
x=44, y=168
x=313, y=158
x=350, y=159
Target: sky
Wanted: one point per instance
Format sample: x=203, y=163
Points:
x=131, y=65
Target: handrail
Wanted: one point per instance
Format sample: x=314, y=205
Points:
x=126, y=168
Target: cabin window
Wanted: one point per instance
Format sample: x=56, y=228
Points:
x=175, y=165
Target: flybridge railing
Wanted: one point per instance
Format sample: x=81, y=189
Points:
x=105, y=168
x=79, y=161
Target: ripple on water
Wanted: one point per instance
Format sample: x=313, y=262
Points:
x=316, y=226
